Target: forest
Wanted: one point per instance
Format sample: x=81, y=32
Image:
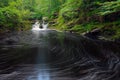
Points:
x=59, y=39
x=79, y=16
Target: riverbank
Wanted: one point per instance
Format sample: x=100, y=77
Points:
x=95, y=34
x=3, y=34
x=95, y=19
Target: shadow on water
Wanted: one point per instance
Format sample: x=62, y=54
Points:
x=52, y=55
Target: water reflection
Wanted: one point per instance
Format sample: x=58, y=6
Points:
x=40, y=67
x=41, y=60
x=50, y=55
x=43, y=75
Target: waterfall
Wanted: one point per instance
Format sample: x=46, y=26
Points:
x=44, y=25
x=37, y=25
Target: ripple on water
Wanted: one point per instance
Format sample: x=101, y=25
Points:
x=52, y=55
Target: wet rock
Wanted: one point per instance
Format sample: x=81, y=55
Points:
x=8, y=76
x=93, y=34
x=10, y=41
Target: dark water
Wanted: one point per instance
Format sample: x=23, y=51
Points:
x=52, y=55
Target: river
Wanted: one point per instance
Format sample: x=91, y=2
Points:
x=53, y=55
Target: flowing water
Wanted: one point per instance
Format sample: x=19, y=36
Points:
x=52, y=55
x=37, y=25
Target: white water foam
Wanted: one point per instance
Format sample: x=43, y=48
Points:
x=36, y=26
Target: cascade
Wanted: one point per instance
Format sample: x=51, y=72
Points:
x=36, y=26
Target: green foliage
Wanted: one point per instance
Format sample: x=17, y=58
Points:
x=86, y=15
x=46, y=7
x=74, y=15
x=108, y=7
x=13, y=16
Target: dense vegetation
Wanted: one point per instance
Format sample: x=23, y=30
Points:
x=72, y=15
x=18, y=14
x=87, y=15
x=13, y=15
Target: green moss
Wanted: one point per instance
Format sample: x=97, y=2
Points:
x=108, y=7
x=85, y=15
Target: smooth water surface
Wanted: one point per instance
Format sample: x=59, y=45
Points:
x=52, y=55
